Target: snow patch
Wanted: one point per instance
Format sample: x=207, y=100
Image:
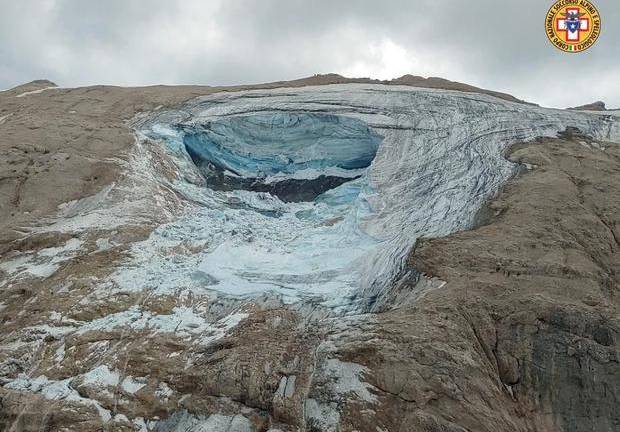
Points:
x=347, y=379
x=101, y=377
x=33, y=92
x=323, y=417
x=42, y=263
x=132, y=385
x=183, y=321
x=56, y=390
x=183, y=421
x=103, y=245
x=120, y=418
x=344, y=380
x=163, y=391
x=59, y=355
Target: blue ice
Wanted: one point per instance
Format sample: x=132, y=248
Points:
x=268, y=144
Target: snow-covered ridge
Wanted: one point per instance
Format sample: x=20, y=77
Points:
x=439, y=159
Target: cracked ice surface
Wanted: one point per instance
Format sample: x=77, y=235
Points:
x=440, y=158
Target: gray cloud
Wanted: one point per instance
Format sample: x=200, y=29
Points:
x=495, y=44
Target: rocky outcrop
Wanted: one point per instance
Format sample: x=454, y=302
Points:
x=594, y=106
x=441, y=83
x=538, y=286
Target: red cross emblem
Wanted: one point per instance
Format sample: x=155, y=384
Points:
x=572, y=24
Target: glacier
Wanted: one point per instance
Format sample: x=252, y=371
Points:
x=272, y=148
x=319, y=193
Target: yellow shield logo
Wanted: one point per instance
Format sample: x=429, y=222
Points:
x=573, y=25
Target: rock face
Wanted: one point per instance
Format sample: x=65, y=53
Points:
x=542, y=276
x=459, y=272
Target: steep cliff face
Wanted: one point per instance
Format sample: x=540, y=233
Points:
x=536, y=287
x=315, y=258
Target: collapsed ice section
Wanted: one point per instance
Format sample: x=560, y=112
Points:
x=301, y=238
x=270, y=144
x=294, y=156
x=432, y=156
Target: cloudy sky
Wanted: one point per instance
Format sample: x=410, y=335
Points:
x=494, y=44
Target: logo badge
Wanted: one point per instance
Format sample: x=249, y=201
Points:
x=573, y=25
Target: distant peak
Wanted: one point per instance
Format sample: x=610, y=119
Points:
x=407, y=80
x=42, y=83
x=442, y=83
x=36, y=84
x=31, y=86
x=594, y=106
x=328, y=76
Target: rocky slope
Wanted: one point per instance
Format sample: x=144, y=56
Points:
x=594, y=106
x=447, y=260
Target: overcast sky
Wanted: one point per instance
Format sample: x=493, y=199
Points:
x=496, y=44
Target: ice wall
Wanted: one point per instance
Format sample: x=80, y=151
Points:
x=294, y=156
x=264, y=145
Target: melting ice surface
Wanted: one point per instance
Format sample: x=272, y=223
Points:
x=320, y=192
x=308, y=245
